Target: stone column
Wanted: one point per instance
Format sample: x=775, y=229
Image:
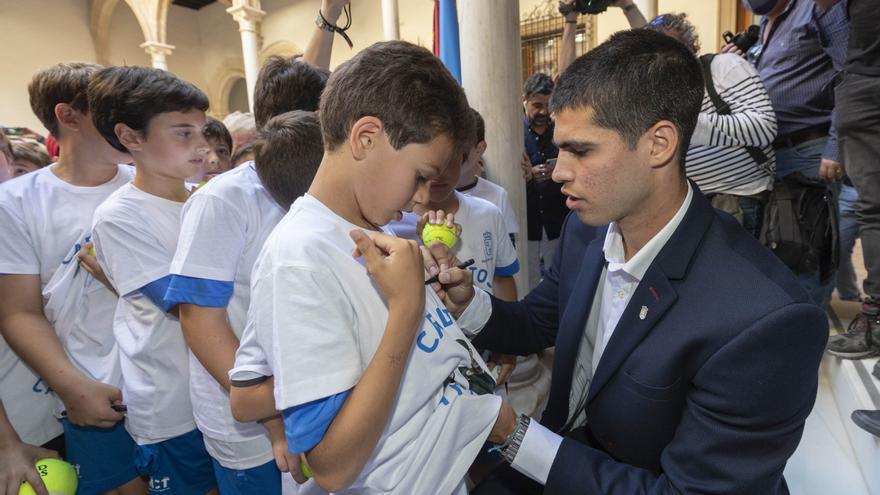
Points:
x=248, y=15
x=491, y=72
x=158, y=53
x=390, y=22
x=648, y=8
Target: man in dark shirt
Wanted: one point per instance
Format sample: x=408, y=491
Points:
x=858, y=124
x=800, y=56
x=544, y=201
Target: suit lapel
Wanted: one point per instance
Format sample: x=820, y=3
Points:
x=655, y=295
x=652, y=298
x=571, y=330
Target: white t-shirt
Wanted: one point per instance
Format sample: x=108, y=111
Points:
x=223, y=227
x=135, y=236
x=27, y=399
x=323, y=317
x=496, y=195
x=484, y=238
x=43, y=223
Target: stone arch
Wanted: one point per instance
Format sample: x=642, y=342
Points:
x=152, y=16
x=283, y=48
x=221, y=84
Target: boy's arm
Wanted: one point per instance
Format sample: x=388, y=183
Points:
x=396, y=265
x=286, y=462
x=31, y=336
x=321, y=43
x=17, y=460
x=209, y=335
x=253, y=402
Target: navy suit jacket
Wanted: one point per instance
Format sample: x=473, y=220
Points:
x=708, y=393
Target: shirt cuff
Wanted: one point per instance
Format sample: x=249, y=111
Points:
x=475, y=316
x=537, y=452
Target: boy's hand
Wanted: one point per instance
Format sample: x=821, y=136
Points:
x=507, y=363
x=526, y=165
x=438, y=217
x=89, y=404
x=17, y=466
x=332, y=9
x=504, y=424
x=456, y=286
x=89, y=262
x=286, y=462
x=396, y=265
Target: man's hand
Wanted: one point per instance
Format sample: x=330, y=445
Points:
x=397, y=266
x=17, y=466
x=567, y=10
x=504, y=424
x=89, y=263
x=731, y=48
x=506, y=362
x=831, y=170
x=286, y=462
x=456, y=286
x=540, y=173
x=526, y=166
x=89, y=403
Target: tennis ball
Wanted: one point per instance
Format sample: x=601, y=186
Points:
x=58, y=476
x=92, y=251
x=439, y=233
x=305, y=470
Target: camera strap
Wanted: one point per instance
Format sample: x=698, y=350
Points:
x=721, y=106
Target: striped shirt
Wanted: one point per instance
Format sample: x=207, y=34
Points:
x=717, y=159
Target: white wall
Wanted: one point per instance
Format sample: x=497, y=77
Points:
x=35, y=34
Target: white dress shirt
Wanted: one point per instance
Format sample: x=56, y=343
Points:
x=619, y=280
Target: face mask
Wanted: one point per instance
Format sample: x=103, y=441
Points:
x=760, y=7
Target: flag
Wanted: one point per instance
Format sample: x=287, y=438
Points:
x=446, y=45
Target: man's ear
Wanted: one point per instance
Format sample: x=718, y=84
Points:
x=365, y=135
x=68, y=117
x=133, y=140
x=663, y=139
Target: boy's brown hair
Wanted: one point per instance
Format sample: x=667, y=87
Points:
x=31, y=151
x=287, y=153
x=403, y=85
x=284, y=85
x=215, y=131
x=61, y=83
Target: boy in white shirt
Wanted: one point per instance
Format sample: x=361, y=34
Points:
x=159, y=120
x=341, y=309
x=471, y=184
x=223, y=228
x=53, y=314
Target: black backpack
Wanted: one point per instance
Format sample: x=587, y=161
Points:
x=801, y=225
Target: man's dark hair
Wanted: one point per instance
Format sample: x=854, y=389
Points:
x=632, y=81
x=537, y=84
x=216, y=131
x=61, y=83
x=404, y=86
x=479, y=126
x=287, y=154
x=286, y=84
x=134, y=95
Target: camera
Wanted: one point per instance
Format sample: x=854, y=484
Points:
x=585, y=6
x=745, y=39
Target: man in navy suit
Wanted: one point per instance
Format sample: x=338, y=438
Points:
x=687, y=355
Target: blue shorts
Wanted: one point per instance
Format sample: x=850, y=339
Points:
x=264, y=479
x=103, y=458
x=177, y=466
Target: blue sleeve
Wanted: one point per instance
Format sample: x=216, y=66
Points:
x=305, y=424
x=155, y=291
x=507, y=271
x=199, y=291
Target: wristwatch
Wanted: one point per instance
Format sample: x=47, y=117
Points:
x=508, y=453
x=324, y=25
x=630, y=7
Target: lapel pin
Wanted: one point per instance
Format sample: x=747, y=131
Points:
x=643, y=313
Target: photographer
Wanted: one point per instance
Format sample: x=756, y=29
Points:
x=730, y=155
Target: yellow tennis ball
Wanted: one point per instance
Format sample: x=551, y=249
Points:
x=305, y=470
x=92, y=251
x=58, y=476
x=439, y=233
